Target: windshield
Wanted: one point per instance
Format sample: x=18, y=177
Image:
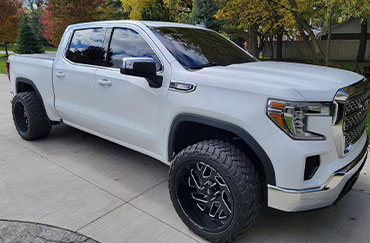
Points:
x=198, y=48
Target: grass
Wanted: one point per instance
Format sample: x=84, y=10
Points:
x=11, y=47
x=2, y=64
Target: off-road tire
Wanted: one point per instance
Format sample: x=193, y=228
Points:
x=38, y=124
x=241, y=177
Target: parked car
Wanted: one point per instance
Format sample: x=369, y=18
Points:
x=237, y=133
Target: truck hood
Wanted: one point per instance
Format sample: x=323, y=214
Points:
x=280, y=79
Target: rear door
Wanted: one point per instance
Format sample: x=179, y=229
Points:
x=128, y=110
x=74, y=78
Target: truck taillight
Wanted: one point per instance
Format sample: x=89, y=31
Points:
x=8, y=69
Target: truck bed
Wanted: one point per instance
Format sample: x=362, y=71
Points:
x=36, y=69
x=45, y=56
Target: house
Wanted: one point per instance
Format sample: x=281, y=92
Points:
x=347, y=30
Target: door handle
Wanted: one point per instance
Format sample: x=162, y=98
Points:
x=60, y=75
x=104, y=82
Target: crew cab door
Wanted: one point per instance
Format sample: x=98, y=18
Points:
x=128, y=110
x=74, y=78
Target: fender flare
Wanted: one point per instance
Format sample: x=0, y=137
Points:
x=29, y=82
x=245, y=136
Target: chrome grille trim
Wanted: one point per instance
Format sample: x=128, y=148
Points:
x=351, y=105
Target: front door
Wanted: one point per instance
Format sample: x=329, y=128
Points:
x=128, y=110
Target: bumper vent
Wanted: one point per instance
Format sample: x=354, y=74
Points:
x=312, y=165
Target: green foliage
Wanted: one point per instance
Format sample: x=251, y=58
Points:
x=157, y=11
x=28, y=41
x=35, y=10
x=113, y=10
x=2, y=64
x=204, y=13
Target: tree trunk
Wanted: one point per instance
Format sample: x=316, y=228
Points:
x=6, y=49
x=304, y=27
x=308, y=43
x=279, y=46
x=363, y=39
x=315, y=44
x=327, y=57
x=252, y=41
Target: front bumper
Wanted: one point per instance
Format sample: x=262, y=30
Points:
x=290, y=200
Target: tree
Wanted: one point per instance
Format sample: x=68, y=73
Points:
x=27, y=41
x=274, y=16
x=35, y=8
x=9, y=10
x=204, y=12
x=180, y=10
x=265, y=18
x=136, y=7
x=113, y=10
x=59, y=14
x=359, y=9
x=156, y=11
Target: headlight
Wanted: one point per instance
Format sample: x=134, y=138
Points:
x=291, y=117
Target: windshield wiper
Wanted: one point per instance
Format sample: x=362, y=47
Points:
x=210, y=64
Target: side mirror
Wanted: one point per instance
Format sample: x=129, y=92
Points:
x=142, y=67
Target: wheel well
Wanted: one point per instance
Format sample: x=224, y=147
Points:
x=187, y=133
x=24, y=87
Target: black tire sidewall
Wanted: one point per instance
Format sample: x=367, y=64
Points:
x=181, y=163
x=22, y=101
x=38, y=125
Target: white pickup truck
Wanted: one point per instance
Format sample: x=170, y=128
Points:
x=237, y=133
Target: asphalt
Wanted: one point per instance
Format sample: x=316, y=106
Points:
x=105, y=192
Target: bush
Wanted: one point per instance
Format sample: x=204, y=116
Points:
x=27, y=41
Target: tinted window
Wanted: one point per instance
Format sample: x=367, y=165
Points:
x=86, y=46
x=128, y=43
x=198, y=48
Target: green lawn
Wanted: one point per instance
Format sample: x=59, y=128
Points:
x=2, y=64
x=11, y=47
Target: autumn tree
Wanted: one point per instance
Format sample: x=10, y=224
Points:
x=263, y=17
x=136, y=7
x=9, y=10
x=59, y=14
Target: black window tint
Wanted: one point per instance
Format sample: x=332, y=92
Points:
x=194, y=48
x=128, y=43
x=87, y=46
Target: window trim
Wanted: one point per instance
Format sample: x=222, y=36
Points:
x=161, y=70
x=70, y=42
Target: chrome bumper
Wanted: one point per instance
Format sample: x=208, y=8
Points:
x=290, y=200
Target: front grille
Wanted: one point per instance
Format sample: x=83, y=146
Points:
x=355, y=112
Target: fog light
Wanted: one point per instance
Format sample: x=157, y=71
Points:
x=312, y=165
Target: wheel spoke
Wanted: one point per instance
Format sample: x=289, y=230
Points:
x=224, y=203
x=209, y=192
x=199, y=198
x=194, y=179
x=214, y=209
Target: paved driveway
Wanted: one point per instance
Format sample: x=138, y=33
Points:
x=85, y=184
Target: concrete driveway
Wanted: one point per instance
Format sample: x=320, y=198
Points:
x=87, y=185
